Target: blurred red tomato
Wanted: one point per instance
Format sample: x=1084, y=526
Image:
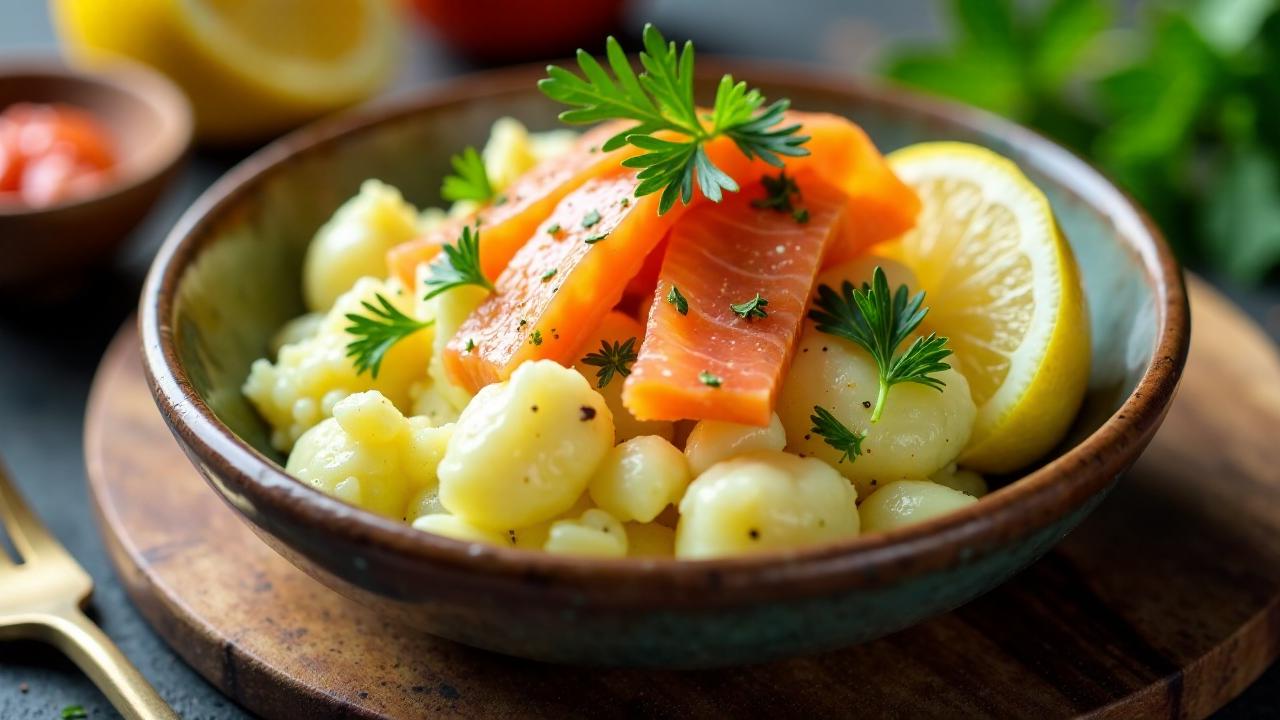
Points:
x=507, y=30
x=51, y=152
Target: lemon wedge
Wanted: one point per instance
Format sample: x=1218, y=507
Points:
x=1002, y=284
x=252, y=68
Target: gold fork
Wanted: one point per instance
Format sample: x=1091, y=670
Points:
x=40, y=599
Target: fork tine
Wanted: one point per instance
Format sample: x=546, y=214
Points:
x=28, y=534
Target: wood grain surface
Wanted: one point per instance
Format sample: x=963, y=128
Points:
x=1165, y=603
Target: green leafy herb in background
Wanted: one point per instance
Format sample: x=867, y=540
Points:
x=1183, y=110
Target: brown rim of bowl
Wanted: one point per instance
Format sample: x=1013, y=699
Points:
x=126, y=78
x=1029, y=504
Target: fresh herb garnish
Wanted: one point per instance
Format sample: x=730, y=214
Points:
x=612, y=358
x=591, y=218
x=553, y=228
x=800, y=215
x=546, y=276
x=471, y=345
x=880, y=321
x=471, y=181
x=377, y=332
x=459, y=265
x=753, y=308
x=593, y=239
x=835, y=434
x=535, y=337
x=709, y=380
x=778, y=192
x=677, y=300
x=661, y=99
x=74, y=712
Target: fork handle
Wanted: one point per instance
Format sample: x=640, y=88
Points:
x=100, y=659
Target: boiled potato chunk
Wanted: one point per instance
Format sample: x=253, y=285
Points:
x=595, y=533
x=966, y=481
x=308, y=377
x=713, y=440
x=921, y=430
x=524, y=450
x=650, y=540
x=639, y=478
x=370, y=455
x=907, y=502
x=764, y=500
x=619, y=327
x=452, y=526
x=354, y=243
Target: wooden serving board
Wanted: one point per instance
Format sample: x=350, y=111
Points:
x=1165, y=603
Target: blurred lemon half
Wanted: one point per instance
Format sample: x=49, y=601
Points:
x=252, y=68
x=1003, y=285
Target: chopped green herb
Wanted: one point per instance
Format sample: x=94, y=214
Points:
x=661, y=99
x=753, y=308
x=801, y=215
x=625, y=202
x=553, y=228
x=549, y=274
x=459, y=265
x=612, y=358
x=471, y=181
x=471, y=345
x=593, y=239
x=779, y=192
x=535, y=337
x=376, y=333
x=880, y=321
x=709, y=380
x=591, y=218
x=677, y=300
x=835, y=434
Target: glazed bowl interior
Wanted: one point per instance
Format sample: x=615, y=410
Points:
x=229, y=276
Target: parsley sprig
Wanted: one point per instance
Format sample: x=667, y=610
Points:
x=660, y=98
x=471, y=181
x=612, y=359
x=377, y=332
x=880, y=321
x=750, y=309
x=458, y=264
x=835, y=434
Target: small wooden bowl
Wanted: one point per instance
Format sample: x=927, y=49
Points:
x=229, y=275
x=46, y=249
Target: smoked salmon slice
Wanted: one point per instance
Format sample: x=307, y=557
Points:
x=510, y=221
x=557, y=288
x=712, y=363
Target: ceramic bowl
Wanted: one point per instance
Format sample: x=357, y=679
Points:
x=228, y=276
x=149, y=120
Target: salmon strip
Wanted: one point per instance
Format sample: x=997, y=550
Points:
x=881, y=206
x=712, y=363
x=557, y=288
x=506, y=225
x=534, y=315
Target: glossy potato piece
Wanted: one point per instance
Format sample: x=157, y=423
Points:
x=595, y=533
x=639, y=478
x=370, y=455
x=354, y=243
x=907, y=502
x=763, y=501
x=524, y=450
x=711, y=441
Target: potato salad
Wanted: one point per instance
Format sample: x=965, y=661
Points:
x=682, y=333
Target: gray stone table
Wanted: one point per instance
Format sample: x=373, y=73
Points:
x=47, y=358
